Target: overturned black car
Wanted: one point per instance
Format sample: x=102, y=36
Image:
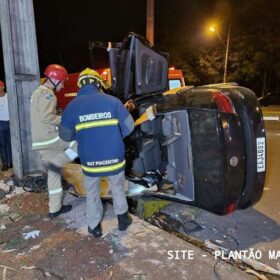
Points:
x=204, y=145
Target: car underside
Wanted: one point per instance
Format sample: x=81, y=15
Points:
x=203, y=145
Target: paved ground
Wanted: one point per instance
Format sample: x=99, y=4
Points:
x=271, y=113
x=269, y=204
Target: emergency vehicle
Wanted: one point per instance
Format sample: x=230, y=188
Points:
x=175, y=78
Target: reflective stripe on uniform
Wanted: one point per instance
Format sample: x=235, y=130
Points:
x=104, y=168
x=72, y=144
x=86, y=125
x=55, y=191
x=45, y=143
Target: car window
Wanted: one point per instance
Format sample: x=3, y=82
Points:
x=174, y=84
x=148, y=70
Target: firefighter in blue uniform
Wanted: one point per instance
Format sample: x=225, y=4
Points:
x=99, y=122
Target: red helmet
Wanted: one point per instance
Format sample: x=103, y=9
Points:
x=2, y=84
x=55, y=71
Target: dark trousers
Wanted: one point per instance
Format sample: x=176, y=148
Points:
x=5, y=143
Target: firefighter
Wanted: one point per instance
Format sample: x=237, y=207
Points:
x=44, y=129
x=99, y=122
x=5, y=138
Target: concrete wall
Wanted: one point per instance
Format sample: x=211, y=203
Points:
x=22, y=77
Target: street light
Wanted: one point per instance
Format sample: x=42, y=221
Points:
x=213, y=29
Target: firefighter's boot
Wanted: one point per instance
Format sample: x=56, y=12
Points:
x=124, y=221
x=64, y=209
x=96, y=232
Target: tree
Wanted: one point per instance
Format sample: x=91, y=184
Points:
x=254, y=52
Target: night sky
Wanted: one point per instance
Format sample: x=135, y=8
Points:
x=64, y=27
x=63, y=37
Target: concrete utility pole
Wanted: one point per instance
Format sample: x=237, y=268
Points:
x=150, y=21
x=213, y=29
x=22, y=77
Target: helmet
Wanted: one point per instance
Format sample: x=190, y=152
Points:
x=55, y=71
x=2, y=84
x=89, y=76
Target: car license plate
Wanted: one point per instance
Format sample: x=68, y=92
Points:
x=261, y=154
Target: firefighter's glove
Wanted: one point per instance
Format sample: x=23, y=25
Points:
x=151, y=112
x=109, y=47
x=130, y=105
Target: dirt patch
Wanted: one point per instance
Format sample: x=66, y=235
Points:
x=56, y=252
x=5, y=174
x=28, y=203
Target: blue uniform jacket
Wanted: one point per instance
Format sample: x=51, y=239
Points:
x=98, y=122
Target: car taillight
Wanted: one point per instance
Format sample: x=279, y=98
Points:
x=231, y=208
x=223, y=102
x=104, y=75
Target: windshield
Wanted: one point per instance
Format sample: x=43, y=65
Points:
x=174, y=84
